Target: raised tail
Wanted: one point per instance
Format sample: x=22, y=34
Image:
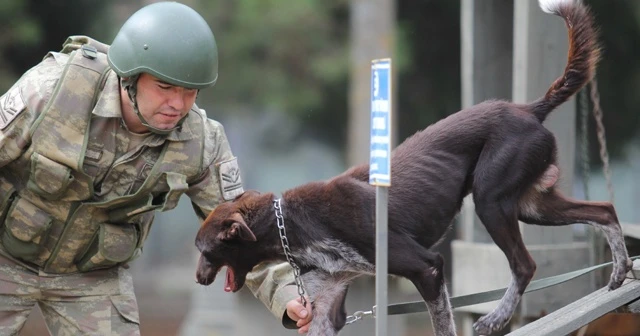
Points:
x=584, y=54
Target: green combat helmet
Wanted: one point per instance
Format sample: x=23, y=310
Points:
x=170, y=41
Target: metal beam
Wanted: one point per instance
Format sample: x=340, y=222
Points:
x=579, y=313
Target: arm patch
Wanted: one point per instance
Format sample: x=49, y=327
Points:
x=11, y=105
x=230, y=180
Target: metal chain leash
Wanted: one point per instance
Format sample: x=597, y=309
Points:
x=287, y=250
x=361, y=314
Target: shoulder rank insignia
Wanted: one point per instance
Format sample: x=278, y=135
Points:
x=230, y=180
x=11, y=104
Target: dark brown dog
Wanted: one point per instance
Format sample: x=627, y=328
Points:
x=497, y=150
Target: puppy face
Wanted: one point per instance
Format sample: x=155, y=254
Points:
x=224, y=239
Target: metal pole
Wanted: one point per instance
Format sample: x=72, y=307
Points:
x=380, y=176
x=382, y=242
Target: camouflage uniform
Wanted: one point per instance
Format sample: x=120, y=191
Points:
x=78, y=193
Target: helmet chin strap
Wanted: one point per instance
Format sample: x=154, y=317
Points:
x=130, y=85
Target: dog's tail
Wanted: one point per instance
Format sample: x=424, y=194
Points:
x=584, y=54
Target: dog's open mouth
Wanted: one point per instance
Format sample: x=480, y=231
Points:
x=230, y=281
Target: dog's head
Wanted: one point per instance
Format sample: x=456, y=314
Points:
x=225, y=239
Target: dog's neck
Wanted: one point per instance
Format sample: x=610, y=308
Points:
x=312, y=223
x=300, y=215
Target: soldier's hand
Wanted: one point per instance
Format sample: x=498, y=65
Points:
x=301, y=314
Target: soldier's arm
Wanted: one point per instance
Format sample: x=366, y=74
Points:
x=209, y=189
x=21, y=105
x=273, y=284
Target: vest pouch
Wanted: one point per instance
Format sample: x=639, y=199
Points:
x=177, y=186
x=7, y=193
x=112, y=244
x=125, y=213
x=48, y=179
x=158, y=201
x=25, y=231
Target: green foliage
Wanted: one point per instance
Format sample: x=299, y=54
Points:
x=31, y=28
x=277, y=54
x=18, y=26
x=290, y=56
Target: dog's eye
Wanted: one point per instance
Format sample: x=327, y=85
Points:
x=227, y=222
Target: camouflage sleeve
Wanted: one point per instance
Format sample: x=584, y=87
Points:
x=22, y=104
x=274, y=285
x=221, y=181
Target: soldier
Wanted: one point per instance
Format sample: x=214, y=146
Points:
x=93, y=140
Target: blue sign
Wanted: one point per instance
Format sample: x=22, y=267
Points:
x=380, y=153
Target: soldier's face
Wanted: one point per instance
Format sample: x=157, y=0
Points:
x=161, y=104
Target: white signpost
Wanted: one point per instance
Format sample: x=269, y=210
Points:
x=380, y=176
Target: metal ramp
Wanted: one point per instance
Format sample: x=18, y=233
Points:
x=581, y=312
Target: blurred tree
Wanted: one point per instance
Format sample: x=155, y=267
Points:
x=31, y=28
x=282, y=55
x=294, y=56
x=20, y=30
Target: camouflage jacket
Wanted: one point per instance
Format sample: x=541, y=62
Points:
x=77, y=193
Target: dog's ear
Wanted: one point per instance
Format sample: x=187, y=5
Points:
x=236, y=229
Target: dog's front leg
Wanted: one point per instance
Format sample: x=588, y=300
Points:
x=441, y=313
x=328, y=293
x=428, y=277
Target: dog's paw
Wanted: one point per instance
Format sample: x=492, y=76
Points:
x=619, y=274
x=490, y=323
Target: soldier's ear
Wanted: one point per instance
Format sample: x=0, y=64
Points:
x=236, y=228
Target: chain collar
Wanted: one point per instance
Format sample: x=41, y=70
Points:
x=287, y=250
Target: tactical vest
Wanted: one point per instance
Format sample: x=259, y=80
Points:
x=49, y=220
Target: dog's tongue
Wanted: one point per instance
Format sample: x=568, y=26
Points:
x=230, y=284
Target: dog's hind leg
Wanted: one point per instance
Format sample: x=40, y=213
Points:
x=551, y=208
x=520, y=155
x=500, y=219
x=497, y=187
